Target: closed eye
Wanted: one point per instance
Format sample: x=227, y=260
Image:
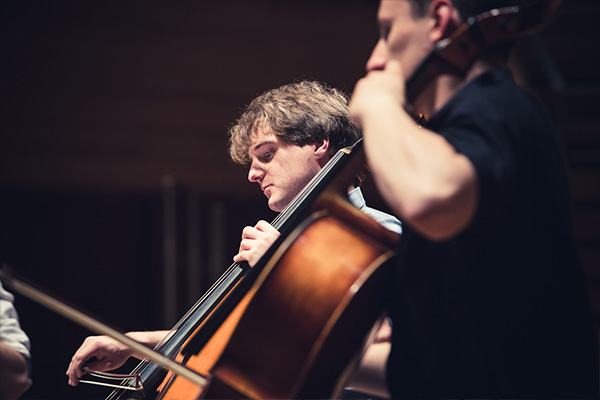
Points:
x=384, y=32
x=267, y=156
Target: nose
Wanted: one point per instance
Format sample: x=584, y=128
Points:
x=376, y=61
x=255, y=174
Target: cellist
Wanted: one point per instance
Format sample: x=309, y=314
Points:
x=286, y=135
x=488, y=298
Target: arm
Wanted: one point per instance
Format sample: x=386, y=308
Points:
x=14, y=350
x=109, y=353
x=255, y=242
x=14, y=373
x=421, y=176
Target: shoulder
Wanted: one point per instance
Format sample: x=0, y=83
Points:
x=493, y=96
x=384, y=219
x=491, y=114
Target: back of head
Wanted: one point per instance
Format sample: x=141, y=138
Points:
x=299, y=113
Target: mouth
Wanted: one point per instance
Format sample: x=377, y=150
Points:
x=265, y=189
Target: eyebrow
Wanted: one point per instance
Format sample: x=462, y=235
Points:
x=257, y=146
x=384, y=20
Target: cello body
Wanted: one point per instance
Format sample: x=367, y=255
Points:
x=175, y=387
x=309, y=311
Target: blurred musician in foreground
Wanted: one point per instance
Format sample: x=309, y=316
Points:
x=488, y=298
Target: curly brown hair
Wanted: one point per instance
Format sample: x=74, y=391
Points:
x=298, y=113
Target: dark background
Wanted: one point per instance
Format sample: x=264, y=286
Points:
x=113, y=163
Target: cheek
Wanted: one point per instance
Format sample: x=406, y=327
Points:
x=292, y=174
x=397, y=42
x=408, y=49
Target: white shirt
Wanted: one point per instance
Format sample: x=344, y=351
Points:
x=10, y=329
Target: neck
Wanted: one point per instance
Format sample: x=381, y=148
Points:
x=443, y=87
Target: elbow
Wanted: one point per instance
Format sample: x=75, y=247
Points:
x=427, y=223
x=21, y=384
x=14, y=384
x=436, y=231
x=441, y=218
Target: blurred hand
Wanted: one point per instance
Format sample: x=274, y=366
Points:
x=377, y=90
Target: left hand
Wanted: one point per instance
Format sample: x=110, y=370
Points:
x=255, y=242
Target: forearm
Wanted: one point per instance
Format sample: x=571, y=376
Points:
x=150, y=339
x=14, y=374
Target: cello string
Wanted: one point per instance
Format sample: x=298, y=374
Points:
x=145, y=363
x=277, y=223
x=308, y=189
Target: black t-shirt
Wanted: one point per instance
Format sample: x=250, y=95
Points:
x=501, y=309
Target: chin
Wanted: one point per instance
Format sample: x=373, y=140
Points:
x=276, y=205
x=276, y=208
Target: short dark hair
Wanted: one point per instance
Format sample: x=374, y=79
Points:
x=298, y=113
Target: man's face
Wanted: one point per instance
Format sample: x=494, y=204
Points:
x=281, y=169
x=403, y=37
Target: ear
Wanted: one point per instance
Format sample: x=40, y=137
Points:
x=443, y=17
x=322, y=150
